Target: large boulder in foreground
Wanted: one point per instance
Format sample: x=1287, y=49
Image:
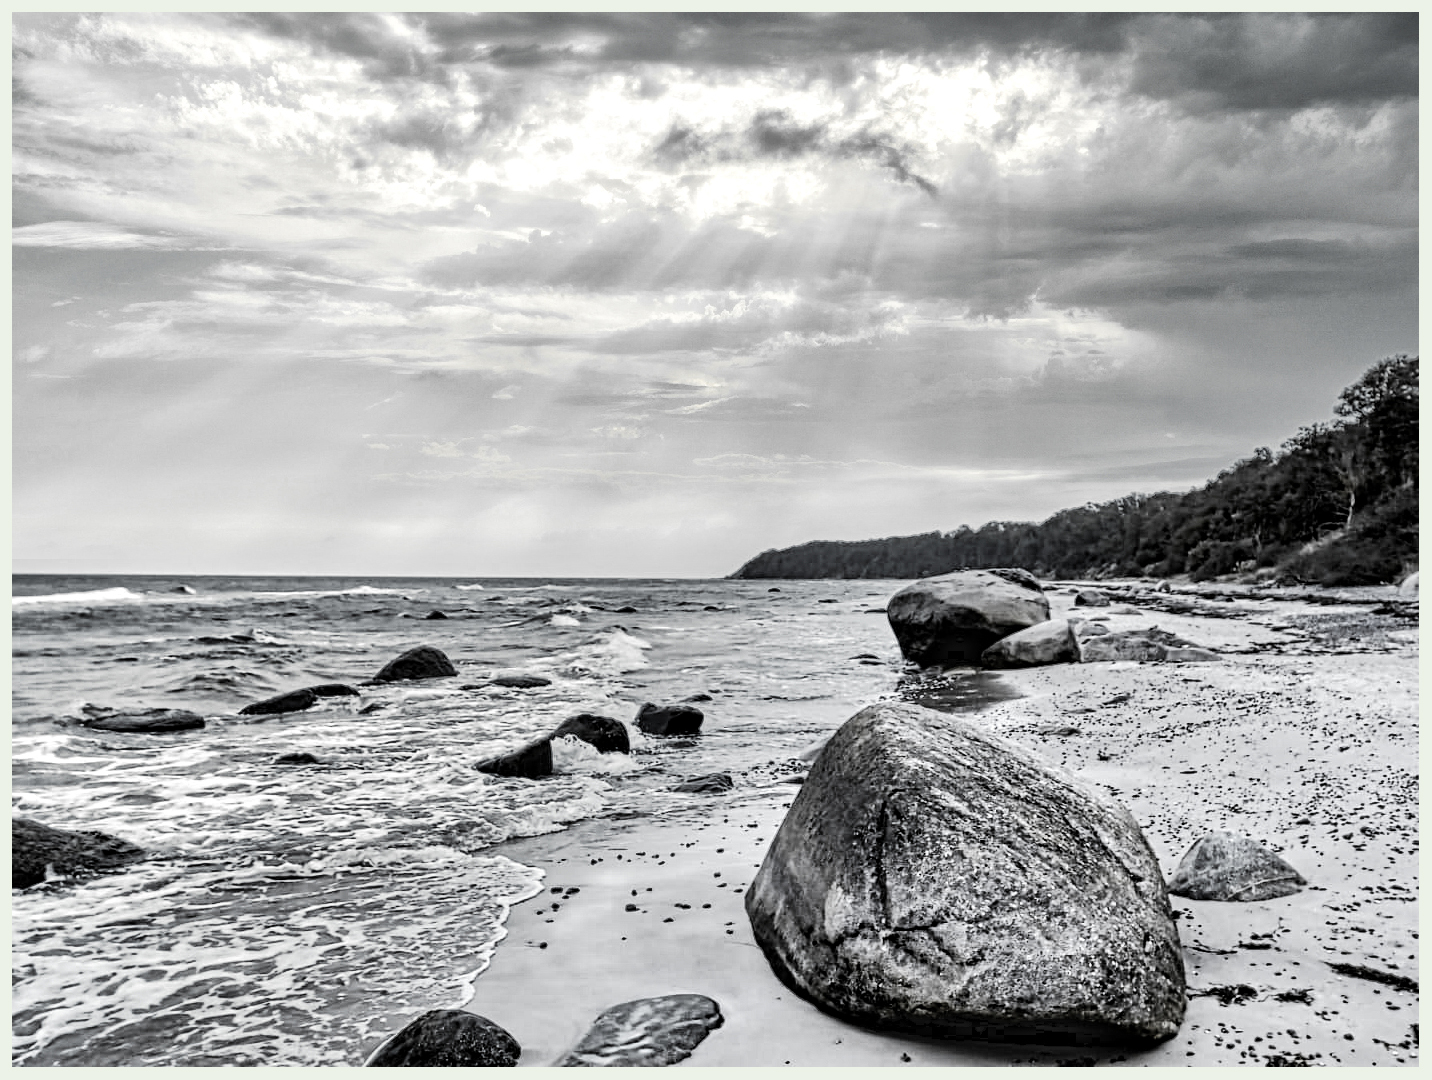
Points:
x=646, y=1032
x=669, y=719
x=1226, y=866
x=424, y=662
x=607, y=735
x=1049, y=642
x=448, y=1038
x=931, y=877
x=141, y=721
x=955, y=617
x=34, y=848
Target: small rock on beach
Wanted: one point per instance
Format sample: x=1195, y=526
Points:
x=1226, y=866
x=1049, y=642
x=448, y=1038
x=646, y=1032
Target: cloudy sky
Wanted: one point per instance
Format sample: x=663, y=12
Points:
x=643, y=295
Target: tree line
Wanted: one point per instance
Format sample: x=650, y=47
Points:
x=1335, y=505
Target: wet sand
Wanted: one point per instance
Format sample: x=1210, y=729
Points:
x=1303, y=736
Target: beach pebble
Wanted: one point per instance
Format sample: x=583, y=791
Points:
x=448, y=1038
x=423, y=662
x=293, y=701
x=669, y=719
x=933, y=877
x=39, y=851
x=1226, y=866
x=953, y=618
x=608, y=735
x=646, y=1032
x=1049, y=642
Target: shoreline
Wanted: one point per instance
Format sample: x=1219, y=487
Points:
x=1307, y=746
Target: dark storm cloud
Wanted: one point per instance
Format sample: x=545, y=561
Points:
x=1233, y=61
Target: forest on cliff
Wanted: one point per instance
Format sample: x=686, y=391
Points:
x=1335, y=505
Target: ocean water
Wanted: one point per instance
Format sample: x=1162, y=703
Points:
x=288, y=914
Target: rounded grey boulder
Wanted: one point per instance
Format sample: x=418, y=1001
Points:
x=931, y=877
x=953, y=618
x=141, y=721
x=448, y=1038
x=1226, y=866
x=1049, y=642
x=669, y=719
x=608, y=735
x=424, y=662
x=293, y=701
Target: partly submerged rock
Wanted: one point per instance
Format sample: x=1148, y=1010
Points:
x=424, y=662
x=39, y=851
x=608, y=735
x=448, y=1038
x=646, y=1032
x=520, y=682
x=293, y=701
x=298, y=757
x=953, y=618
x=710, y=784
x=669, y=719
x=931, y=877
x=1226, y=866
x=436, y=615
x=1049, y=642
x=1152, y=644
x=141, y=721
x=532, y=761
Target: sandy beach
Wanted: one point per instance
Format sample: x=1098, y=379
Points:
x=1304, y=736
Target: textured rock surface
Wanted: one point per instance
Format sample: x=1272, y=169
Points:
x=603, y=732
x=931, y=877
x=1226, y=866
x=521, y=682
x=424, y=662
x=1152, y=644
x=1091, y=598
x=142, y=721
x=293, y=701
x=955, y=617
x=532, y=761
x=646, y=1032
x=448, y=1038
x=333, y=689
x=298, y=757
x=669, y=719
x=710, y=784
x=1049, y=642
x=33, y=847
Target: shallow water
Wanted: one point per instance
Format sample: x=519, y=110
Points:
x=289, y=913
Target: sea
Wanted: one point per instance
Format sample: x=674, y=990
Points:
x=288, y=914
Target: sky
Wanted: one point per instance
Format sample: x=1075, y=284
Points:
x=644, y=295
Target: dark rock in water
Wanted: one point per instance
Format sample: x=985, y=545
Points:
x=377, y=706
x=953, y=618
x=293, y=701
x=1049, y=642
x=865, y=656
x=647, y=1032
x=606, y=734
x=436, y=615
x=333, y=689
x=1152, y=644
x=301, y=757
x=710, y=784
x=532, y=761
x=1091, y=598
x=669, y=719
x=33, y=847
x=448, y=1038
x=934, y=878
x=1226, y=866
x=697, y=697
x=141, y=721
x=520, y=682
x=626, y=610
x=424, y=662
x=184, y=589
x=773, y=589
x=710, y=607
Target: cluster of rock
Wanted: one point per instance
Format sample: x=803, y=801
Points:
x=606, y=734
x=933, y=878
x=646, y=1032
x=1001, y=619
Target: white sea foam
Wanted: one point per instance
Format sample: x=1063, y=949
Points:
x=564, y=620
x=116, y=595
x=468, y=587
